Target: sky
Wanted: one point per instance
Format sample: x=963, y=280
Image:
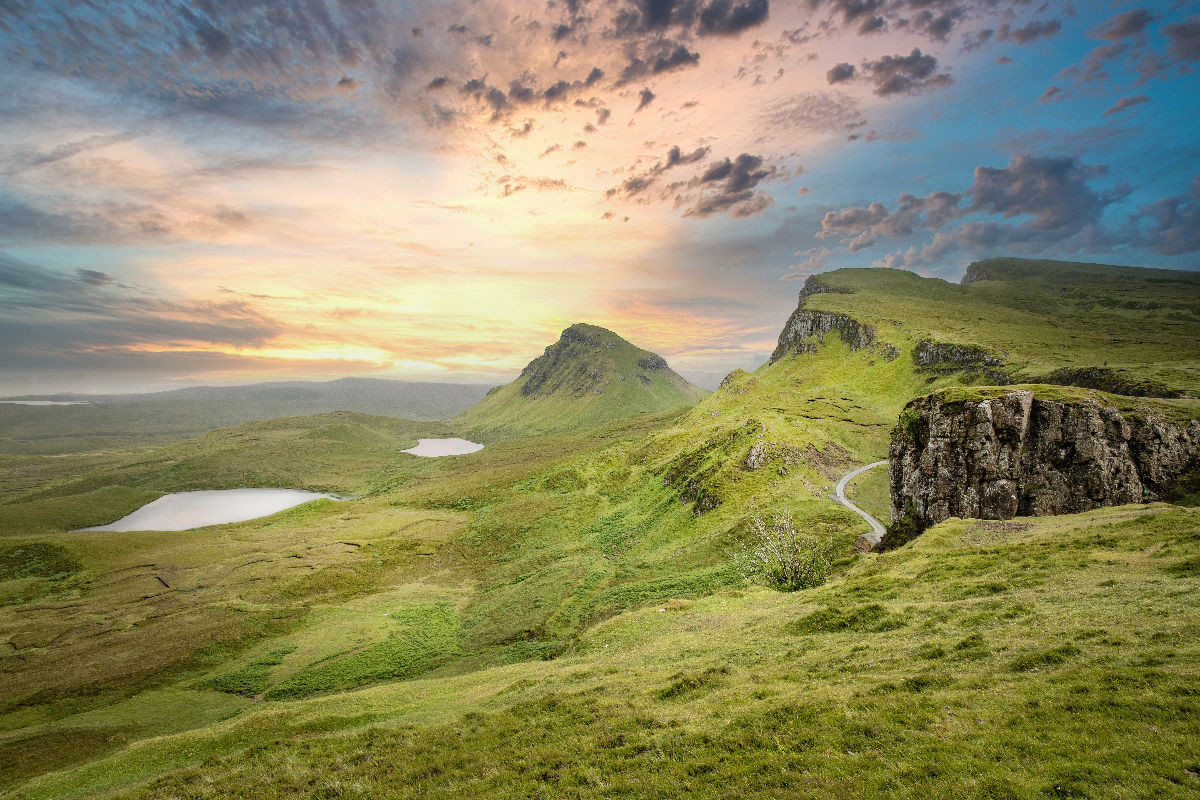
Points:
x=230, y=191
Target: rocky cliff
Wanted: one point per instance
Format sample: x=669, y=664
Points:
x=996, y=453
x=805, y=325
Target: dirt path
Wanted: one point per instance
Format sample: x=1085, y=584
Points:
x=867, y=540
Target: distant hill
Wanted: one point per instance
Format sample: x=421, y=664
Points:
x=124, y=420
x=1121, y=329
x=590, y=376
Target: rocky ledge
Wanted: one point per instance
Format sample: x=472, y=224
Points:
x=803, y=325
x=991, y=453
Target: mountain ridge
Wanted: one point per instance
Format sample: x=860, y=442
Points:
x=588, y=377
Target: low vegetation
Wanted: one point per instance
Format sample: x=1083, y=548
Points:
x=563, y=615
x=780, y=556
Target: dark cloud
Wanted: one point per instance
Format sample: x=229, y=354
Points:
x=840, y=73
x=1033, y=202
x=730, y=186
x=348, y=84
x=714, y=18
x=1126, y=102
x=725, y=18
x=915, y=72
x=654, y=58
x=1052, y=192
x=645, y=98
x=1175, y=227
x=639, y=182
x=934, y=19
x=1037, y=29
x=1184, y=39
x=1125, y=25
x=864, y=226
x=936, y=26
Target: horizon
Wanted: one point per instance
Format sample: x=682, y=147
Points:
x=201, y=195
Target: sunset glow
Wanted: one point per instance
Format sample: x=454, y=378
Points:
x=237, y=192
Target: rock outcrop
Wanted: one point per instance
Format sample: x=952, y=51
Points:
x=803, y=325
x=1018, y=454
x=1108, y=380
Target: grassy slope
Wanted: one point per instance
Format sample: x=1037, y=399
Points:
x=567, y=546
x=1055, y=659
x=1043, y=316
x=157, y=418
x=589, y=385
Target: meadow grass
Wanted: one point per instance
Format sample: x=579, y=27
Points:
x=561, y=615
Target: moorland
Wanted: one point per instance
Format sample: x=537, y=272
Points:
x=564, y=612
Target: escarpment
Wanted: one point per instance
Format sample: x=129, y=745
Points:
x=805, y=324
x=1000, y=453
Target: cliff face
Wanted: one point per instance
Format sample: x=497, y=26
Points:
x=1018, y=454
x=803, y=325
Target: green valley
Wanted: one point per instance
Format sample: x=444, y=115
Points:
x=563, y=614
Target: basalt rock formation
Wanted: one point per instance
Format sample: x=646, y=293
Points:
x=803, y=325
x=1001, y=453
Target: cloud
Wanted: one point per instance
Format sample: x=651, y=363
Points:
x=1126, y=102
x=1037, y=29
x=645, y=97
x=78, y=223
x=87, y=311
x=813, y=112
x=715, y=18
x=725, y=18
x=1052, y=192
x=909, y=74
x=1176, y=223
x=1051, y=95
x=655, y=58
x=934, y=19
x=729, y=185
x=640, y=182
x=840, y=73
x=1032, y=202
x=1184, y=39
x=1126, y=44
x=1125, y=25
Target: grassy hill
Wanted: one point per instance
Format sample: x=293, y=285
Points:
x=562, y=614
x=590, y=376
x=139, y=420
x=1041, y=317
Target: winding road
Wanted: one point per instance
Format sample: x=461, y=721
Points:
x=867, y=540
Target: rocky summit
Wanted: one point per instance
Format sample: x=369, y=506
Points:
x=590, y=376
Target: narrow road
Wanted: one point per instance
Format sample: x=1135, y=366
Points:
x=867, y=540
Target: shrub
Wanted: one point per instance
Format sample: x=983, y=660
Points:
x=909, y=422
x=780, y=556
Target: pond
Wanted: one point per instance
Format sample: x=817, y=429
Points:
x=435, y=448
x=183, y=511
x=47, y=402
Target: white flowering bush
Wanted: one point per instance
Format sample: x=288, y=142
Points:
x=780, y=556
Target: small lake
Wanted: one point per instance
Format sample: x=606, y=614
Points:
x=183, y=511
x=47, y=402
x=435, y=448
